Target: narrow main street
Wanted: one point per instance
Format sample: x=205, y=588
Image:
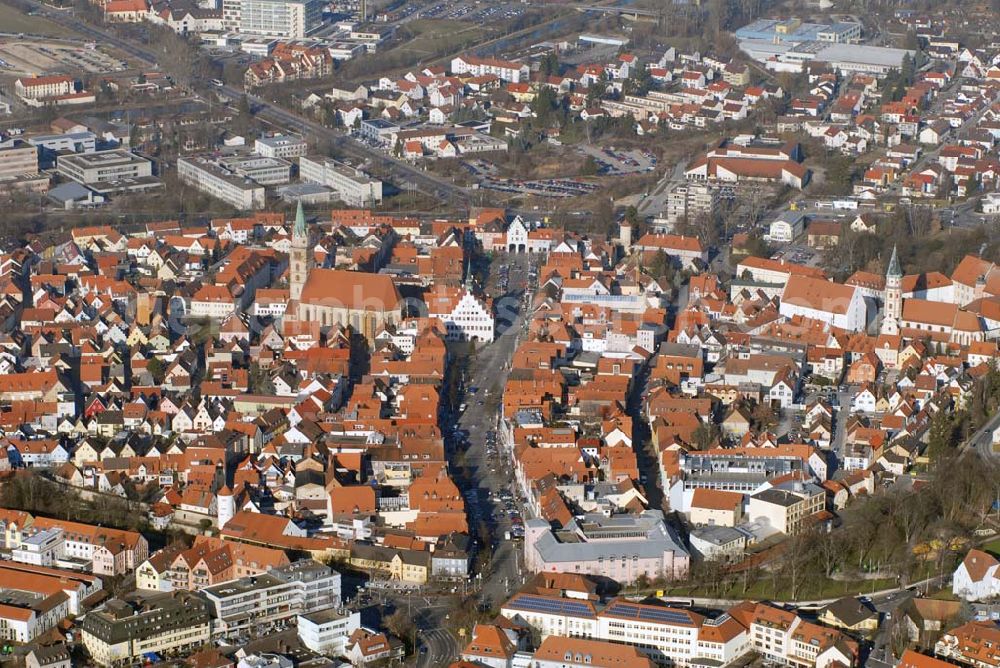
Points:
x=487, y=475
x=491, y=473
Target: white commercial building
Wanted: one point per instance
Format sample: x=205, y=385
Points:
x=43, y=548
x=352, y=186
x=285, y=19
x=327, y=631
x=787, y=227
x=668, y=636
x=282, y=593
x=104, y=166
x=281, y=146
x=262, y=170
x=77, y=142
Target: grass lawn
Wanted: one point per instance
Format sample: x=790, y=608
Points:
x=433, y=36
x=993, y=546
x=762, y=590
x=943, y=595
x=14, y=20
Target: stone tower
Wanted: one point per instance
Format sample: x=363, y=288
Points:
x=893, y=297
x=225, y=505
x=298, y=256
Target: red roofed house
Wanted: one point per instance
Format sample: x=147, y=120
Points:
x=125, y=11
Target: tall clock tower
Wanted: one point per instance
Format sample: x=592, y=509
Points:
x=893, y=297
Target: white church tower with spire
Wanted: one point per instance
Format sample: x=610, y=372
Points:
x=893, y=297
x=298, y=256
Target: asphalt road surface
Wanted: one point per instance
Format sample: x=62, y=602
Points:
x=492, y=473
x=982, y=440
x=439, y=647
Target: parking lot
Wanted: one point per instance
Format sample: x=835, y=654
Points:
x=799, y=254
x=476, y=12
x=28, y=56
x=488, y=177
x=543, y=188
x=618, y=163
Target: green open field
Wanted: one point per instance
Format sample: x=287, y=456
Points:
x=16, y=21
x=435, y=36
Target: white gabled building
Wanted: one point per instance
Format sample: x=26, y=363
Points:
x=976, y=577
x=838, y=305
x=521, y=238
x=465, y=317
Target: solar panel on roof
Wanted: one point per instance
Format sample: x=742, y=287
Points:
x=651, y=613
x=552, y=605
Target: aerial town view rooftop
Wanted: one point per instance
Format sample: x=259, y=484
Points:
x=512, y=334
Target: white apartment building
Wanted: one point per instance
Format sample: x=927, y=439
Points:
x=281, y=146
x=687, y=201
x=220, y=183
x=352, y=186
x=509, y=71
x=108, y=551
x=270, y=303
x=327, y=631
x=782, y=636
x=231, y=13
x=299, y=588
x=284, y=19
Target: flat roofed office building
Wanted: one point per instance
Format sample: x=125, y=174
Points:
x=210, y=178
x=299, y=588
x=18, y=159
x=265, y=171
x=281, y=146
x=352, y=186
x=104, y=166
x=287, y=19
